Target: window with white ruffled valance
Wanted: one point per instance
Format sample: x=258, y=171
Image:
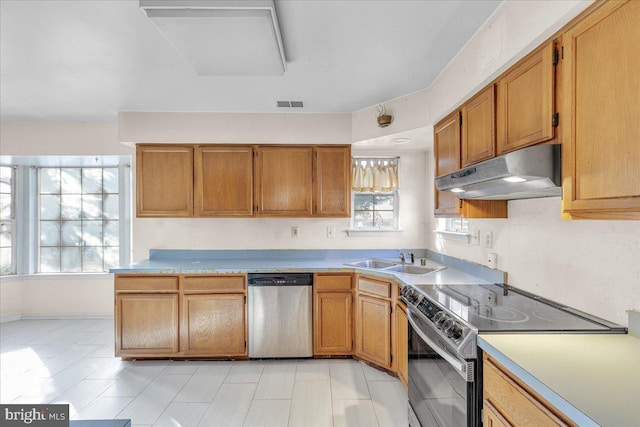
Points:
x=375, y=194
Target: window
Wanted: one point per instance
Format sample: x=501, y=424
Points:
x=375, y=194
x=79, y=219
x=7, y=216
x=460, y=225
x=374, y=210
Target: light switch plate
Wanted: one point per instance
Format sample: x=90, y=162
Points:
x=295, y=232
x=492, y=260
x=331, y=232
x=487, y=239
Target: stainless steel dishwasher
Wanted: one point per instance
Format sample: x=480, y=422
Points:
x=280, y=315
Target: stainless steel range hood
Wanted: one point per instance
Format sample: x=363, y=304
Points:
x=523, y=174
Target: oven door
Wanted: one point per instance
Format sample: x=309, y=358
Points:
x=442, y=390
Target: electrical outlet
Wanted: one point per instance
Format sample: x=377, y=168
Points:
x=331, y=232
x=475, y=237
x=487, y=239
x=295, y=232
x=492, y=260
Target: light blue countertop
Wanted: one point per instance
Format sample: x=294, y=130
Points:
x=592, y=378
x=313, y=261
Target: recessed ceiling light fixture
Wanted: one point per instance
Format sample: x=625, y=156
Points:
x=457, y=190
x=400, y=141
x=222, y=37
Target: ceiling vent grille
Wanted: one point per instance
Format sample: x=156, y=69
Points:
x=290, y=104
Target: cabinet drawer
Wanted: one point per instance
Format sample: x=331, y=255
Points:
x=333, y=283
x=374, y=287
x=146, y=283
x=513, y=401
x=215, y=284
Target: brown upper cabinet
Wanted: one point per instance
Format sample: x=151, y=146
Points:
x=242, y=181
x=332, y=181
x=446, y=146
x=478, y=130
x=446, y=142
x=600, y=94
x=525, y=101
x=164, y=180
x=284, y=180
x=224, y=181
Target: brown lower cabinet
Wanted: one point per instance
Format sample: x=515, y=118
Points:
x=214, y=325
x=402, y=350
x=201, y=315
x=179, y=316
x=333, y=315
x=509, y=402
x=146, y=324
x=373, y=321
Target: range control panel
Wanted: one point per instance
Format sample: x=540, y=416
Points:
x=442, y=320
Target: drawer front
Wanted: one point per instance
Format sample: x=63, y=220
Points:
x=333, y=283
x=374, y=287
x=214, y=284
x=146, y=284
x=513, y=401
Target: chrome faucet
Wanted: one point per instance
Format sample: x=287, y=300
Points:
x=402, y=257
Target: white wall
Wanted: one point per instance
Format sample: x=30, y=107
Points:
x=67, y=296
x=590, y=265
x=11, y=297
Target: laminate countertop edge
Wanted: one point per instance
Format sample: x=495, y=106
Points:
x=564, y=383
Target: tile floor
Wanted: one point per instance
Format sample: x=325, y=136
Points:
x=71, y=361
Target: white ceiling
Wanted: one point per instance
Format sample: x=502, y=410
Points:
x=87, y=60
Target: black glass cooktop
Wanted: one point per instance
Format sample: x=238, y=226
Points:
x=501, y=308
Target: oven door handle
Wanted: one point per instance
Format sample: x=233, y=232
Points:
x=459, y=366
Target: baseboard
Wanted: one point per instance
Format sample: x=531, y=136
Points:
x=66, y=316
x=10, y=318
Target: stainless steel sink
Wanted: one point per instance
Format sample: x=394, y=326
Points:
x=412, y=269
x=378, y=264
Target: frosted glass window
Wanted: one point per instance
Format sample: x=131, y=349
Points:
x=79, y=213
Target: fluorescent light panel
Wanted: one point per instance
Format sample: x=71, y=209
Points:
x=222, y=38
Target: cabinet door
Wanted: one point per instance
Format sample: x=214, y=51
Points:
x=402, y=338
x=332, y=323
x=373, y=330
x=284, y=180
x=525, y=102
x=146, y=324
x=446, y=144
x=601, y=132
x=491, y=417
x=478, y=128
x=164, y=181
x=214, y=325
x=224, y=181
x=333, y=182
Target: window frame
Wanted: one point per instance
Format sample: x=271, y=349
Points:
x=12, y=220
x=27, y=214
x=396, y=210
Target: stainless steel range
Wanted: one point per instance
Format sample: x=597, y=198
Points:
x=445, y=370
